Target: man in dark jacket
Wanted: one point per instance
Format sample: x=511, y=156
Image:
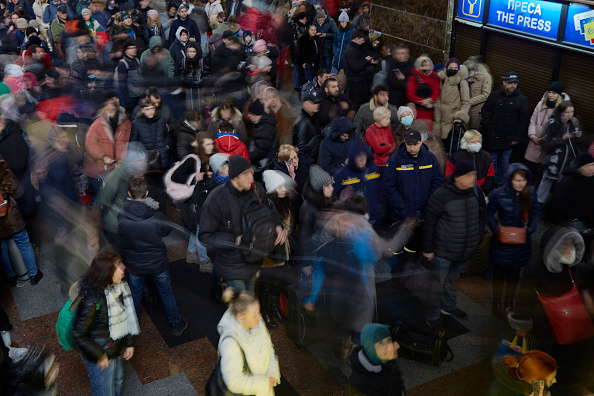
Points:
x=333, y=104
x=364, y=117
x=454, y=226
x=128, y=77
x=141, y=229
x=362, y=175
x=334, y=149
x=399, y=68
x=163, y=109
x=264, y=141
x=221, y=225
x=314, y=86
x=411, y=176
x=504, y=121
x=356, y=60
x=306, y=130
x=186, y=22
x=135, y=33
x=326, y=28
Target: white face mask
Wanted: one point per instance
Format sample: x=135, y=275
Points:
x=568, y=260
x=475, y=147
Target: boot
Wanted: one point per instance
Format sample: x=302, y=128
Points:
x=275, y=307
x=264, y=297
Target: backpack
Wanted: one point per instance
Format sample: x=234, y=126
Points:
x=176, y=191
x=259, y=230
x=134, y=81
x=65, y=322
x=422, y=346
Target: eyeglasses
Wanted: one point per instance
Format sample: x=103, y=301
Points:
x=293, y=160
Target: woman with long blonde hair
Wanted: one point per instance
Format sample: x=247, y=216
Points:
x=153, y=26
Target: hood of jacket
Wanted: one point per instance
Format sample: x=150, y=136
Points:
x=510, y=171
x=228, y=141
x=543, y=101
x=178, y=33
x=229, y=327
x=156, y=41
x=455, y=79
x=357, y=147
x=140, y=210
x=341, y=125
x=555, y=237
x=216, y=114
x=502, y=377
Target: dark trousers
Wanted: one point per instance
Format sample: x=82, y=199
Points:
x=505, y=278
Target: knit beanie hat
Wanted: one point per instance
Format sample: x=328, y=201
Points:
x=217, y=160
x=247, y=33
x=582, y=159
x=260, y=46
x=274, y=179
x=30, y=30
x=372, y=333
x=318, y=178
x=152, y=13
x=556, y=86
x=256, y=108
x=462, y=168
x=34, y=23
x=453, y=60
x=238, y=165
x=85, y=11
x=33, y=40
x=320, y=14
x=404, y=109
x=22, y=24
x=343, y=17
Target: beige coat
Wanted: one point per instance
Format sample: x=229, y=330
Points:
x=538, y=125
x=481, y=85
x=454, y=101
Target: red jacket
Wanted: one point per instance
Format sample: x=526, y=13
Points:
x=381, y=141
x=230, y=144
x=414, y=80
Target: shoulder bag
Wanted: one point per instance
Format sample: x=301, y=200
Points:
x=513, y=235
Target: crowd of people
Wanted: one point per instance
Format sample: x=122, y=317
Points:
x=115, y=114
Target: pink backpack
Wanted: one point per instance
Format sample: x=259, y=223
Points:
x=180, y=192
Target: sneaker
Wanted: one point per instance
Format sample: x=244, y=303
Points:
x=12, y=281
x=179, y=328
x=21, y=283
x=435, y=326
x=206, y=266
x=35, y=279
x=192, y=257
x=457, y=313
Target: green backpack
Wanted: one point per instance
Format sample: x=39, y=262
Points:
x=65, y=322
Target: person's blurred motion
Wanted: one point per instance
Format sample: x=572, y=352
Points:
x=33, y=373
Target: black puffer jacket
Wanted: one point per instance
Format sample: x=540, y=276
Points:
x=355, y=62
x=141, y=230
x=91, y=327
x=14, y=149
x=306, y=135
x=184, y=137
x=220, y=225
x=264, y=142
x=504, y=119
x=454, y=222
x=153, y=134
x=364, y=381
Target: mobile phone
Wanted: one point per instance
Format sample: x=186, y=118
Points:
x=241, y=64
x=538, y=385
x=574, y=132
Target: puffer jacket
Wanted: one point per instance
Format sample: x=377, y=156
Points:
x=481, y=85
x=504, y=119
x=178, y=51
x=328, y=27
x=454, y=222
x=185, y=136
x=333, y=151
x=264, y=141
x=409, y=182
x=238, y=347
x=306, y=135
x=221, y=224
x=141, y=229
x=538, y=125
x=297, y=30
x=505, y=209
x=354, y=61
x=454, y=101
x=366, y=182
x=101, y=141
x=381, y=142
x=483, y=165
x=9, y=185
x=91, y=326
x=236, y=120
x=342, y=38
x=559, y=153
x=370, y=379
x=153, y=134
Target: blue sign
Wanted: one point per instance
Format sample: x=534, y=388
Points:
x=539, y=18
x=471, y=9
x=580, y=25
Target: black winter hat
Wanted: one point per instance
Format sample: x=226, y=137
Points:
x=30, y=30
x=556, y=86
x=582, y=159
x=33, y=40
x=238, y=165
x=462, y=168
x=256, y=108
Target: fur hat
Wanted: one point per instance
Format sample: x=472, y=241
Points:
x=238, y=165
x=260, y=46
x=318, y=178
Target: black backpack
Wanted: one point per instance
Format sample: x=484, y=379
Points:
x=422, y=346
x=259, y=230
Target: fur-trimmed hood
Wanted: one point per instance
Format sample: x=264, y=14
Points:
x=553, y=239
x=454, y=80
x=217, y=117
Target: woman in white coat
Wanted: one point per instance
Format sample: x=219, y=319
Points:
x=248, y=363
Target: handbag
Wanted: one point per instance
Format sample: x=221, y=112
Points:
x=215, y=385
x=568, y=316
x=513, y=235
x=154, y=160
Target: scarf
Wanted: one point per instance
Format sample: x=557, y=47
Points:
x=121, y=313
x=156, y=29
x=220, y=179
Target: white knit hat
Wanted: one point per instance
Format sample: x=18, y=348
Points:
x=404, y=109
x=274, y=179
x=343, y=17
x=217, y=160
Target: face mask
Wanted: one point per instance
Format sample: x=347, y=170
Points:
x=424, y=138
x=425, y=71
x=568, y=260
x=91, y=76
x=407, y=121
x=475, y=147
x=451, y=73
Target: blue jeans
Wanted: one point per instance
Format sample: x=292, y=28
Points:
x=500, y=163
x=22, y=241
x=106, y=382
x=447, y=273
x=163, y=282
x=296, y=82
x=327, y=62
x=195, y=246
x=243, y=284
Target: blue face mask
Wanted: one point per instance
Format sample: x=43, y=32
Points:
x=407, y=121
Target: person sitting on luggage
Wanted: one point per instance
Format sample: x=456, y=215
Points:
x=514, y=374
x=375, y=370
